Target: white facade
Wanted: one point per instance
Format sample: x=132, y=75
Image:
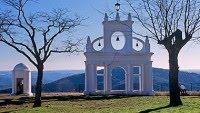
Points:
x=126, y=57
x=21, y=80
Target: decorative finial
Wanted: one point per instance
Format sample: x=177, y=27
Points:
x=88, y=45
x=106, y=17
x=147, y=44
x=117, y=6
x=129, y=17
x=88, y=40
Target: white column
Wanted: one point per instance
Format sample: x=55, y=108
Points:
x=94, y=78
x=142, y=79
x=13, y=83
x=128, y=79
x=25, y=83
x=131, y=78
x=90, y=79
x=30, y=84
x=148, y=83
x=87, y=78
x=107, y=80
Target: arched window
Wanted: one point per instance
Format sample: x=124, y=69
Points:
x=118, y=78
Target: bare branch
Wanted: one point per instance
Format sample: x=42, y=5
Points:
x=164, y=18
x=69, y=47
x=49, y=27
x=18, y=50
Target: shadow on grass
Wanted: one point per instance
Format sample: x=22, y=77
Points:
x=82, y=98
x=24, y=100
x=19, y=101
x=155, y=109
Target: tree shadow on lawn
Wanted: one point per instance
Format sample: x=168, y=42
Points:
x=18, y=101
x=24, y=100
x=82, y=98
x=5, y=102
x=155, y=109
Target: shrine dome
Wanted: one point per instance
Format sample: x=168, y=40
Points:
x=21, y=66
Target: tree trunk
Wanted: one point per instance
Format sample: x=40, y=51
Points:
x=38, y=89
x=175, y=99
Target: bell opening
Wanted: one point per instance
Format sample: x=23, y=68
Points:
x=137, y=44
x=117, y=39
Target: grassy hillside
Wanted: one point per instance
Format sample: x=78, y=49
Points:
x=142, y=104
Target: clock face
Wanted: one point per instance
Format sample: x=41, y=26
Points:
x=118, y=40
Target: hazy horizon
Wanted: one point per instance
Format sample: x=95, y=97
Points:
x=190, y=70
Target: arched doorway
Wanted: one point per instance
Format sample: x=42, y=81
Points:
x=19, y=86
x=118, y=78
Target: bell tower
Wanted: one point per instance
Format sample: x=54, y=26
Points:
x=117, y=29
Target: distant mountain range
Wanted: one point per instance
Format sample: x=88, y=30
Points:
x=160, y=80
x=49, y=76
x=189, y=79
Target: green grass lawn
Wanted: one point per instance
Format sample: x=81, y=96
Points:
x=108, y=105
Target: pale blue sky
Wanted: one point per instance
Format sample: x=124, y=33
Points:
x=189, y=57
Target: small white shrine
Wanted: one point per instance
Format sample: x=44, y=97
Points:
x=21, y=80
x=117, y=62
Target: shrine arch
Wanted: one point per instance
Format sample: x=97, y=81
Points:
x=118, y=78
x=112, y=62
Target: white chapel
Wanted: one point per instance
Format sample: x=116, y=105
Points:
x=118, y=62
x=21, y=80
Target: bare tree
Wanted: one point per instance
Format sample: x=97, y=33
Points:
x=36, y=35
x=165, y=20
